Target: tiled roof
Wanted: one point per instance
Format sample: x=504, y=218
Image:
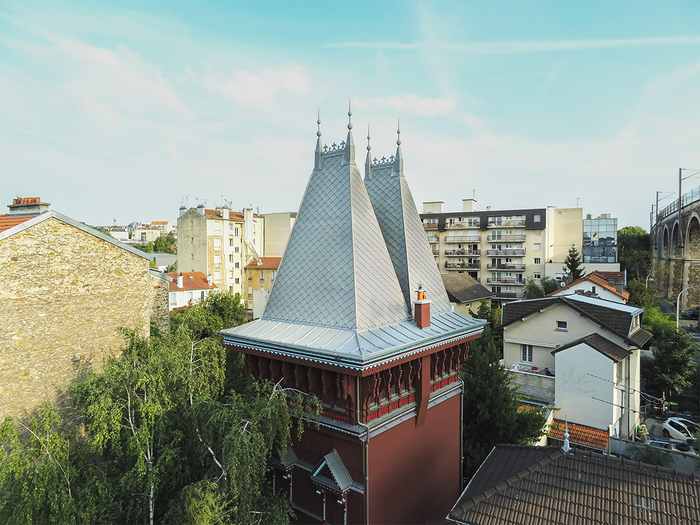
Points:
x=579, y=434
x=164, y=223
x=266, y=263
x=523, y=485
x=463, y=288
x=232, y=215
x=404, y=235
x=615, y=317
x=7, y=222
x=190, y=281
x=336, y=270
x=596, y=278
x=599, y=343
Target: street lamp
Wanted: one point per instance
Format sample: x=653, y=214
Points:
x=678, y=304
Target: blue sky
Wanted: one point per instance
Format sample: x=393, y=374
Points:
x=118, y=110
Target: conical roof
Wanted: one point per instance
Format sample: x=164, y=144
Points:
x=404, y=235
x=336, y=271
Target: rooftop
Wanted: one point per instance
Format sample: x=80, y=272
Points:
x=190, y=281
x=525, y=485
x=579, y=434
x=463, y=288
x=265, y=263
x=596, y=278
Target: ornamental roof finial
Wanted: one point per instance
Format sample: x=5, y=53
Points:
x=318, y=154
x=398, y=159
x=349, y=155
x=368, y=159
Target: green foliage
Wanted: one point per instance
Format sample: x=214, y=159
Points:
x=42, y=473
x=671, y=368
x=573, y=264
x=532, y=289
x=146, y=247
x=492, y=413
x=648, y=454
x=639, y=294
x=634, y=252
x=549, y=285
x=492, y=314
x=172, y=268
x=164, y=244
x=204, y=319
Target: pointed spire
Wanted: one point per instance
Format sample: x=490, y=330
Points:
x=398, y=159
x=566, y=446
x=318, y=154
x=368, y=159
x=349, y=143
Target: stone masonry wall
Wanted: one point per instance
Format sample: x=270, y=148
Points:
x=160, y=307
x=538, y=387
x=63, y=295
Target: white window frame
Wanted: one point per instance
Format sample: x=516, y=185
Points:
x=525, y=352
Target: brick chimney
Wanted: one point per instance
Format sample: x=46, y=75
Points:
x=421, y=310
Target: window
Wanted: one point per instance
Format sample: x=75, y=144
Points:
x=538, y=260
x=236, y=249
x=230, y=274
x=192, y=256
x=190, y=296
x=217, y=276
x=250, y=275
x=238, y=265
x=561, y=325
x=173, y=299
x=537, y=275
x=230, y=259
x=237, y=281
x=191, y=239
x=274, y=274
x=262, y=275
x=217, y=243
x=217, y=259
x=235, y=232
x=217, y=226
x=537, y=218
x=537, y=246
x=526, y=353
x=230, y=241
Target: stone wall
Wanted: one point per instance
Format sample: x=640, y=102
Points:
x=537, y=387
x=160, y=307
x=63, y=295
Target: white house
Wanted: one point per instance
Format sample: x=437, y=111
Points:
x=580, y=353
x=188, y=287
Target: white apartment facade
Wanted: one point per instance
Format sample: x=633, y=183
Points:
x=502, y=248
x=219, y=242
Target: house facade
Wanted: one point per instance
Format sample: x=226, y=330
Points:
x=579, y=353
x=261, y=274
x=278, y=227
x=595, y=284
x=187, y=288
x=382, y=357
x=220, y=242
x=65, y=291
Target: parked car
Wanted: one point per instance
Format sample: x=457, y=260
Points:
x=683, y=448
x=692, y=314
x=679, y=428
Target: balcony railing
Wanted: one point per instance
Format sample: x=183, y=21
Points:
x=506, y=224
x=507, y=251
x=505, y=280
x=462, y=266
x=507, y=295
x=461, y=253
x=507, y=238
x=519, y=267
x=462, y=238
x=433, y=240
x=430, y=225
x=462, y=224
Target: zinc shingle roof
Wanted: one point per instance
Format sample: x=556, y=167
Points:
x=580, y=487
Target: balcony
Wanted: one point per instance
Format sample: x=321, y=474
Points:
x=505, y=280
x=516, y=252
x=433, y=240
x=519, y=223
x=461, y=252
x=511, y=296
x=507, y=238
x=462, y=238
x=462, y=266
x=461, y=225
x=430, y=225
x=518, y=267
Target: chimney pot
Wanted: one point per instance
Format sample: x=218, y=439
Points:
x=180, y=280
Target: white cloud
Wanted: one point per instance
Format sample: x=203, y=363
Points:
x=408, y=103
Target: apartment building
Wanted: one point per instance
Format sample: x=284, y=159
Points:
x=501, y=248
x=278, y=227
x=219, y=242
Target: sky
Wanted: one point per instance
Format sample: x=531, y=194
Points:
x=124, y=111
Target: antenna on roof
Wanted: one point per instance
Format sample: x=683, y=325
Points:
x=566, y=446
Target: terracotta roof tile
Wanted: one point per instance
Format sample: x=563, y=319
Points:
x=232, y=215
x=7, y=222
x=598, y=279
x=267, y=263
x=190, y=281
x=520, y=485
x=580, y=434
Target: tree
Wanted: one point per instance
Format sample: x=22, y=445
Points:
x=573, y=264
x=218, y=310
x=533, y=289
x=164, y=244
x=549, y=285
x=492, y=409
x=671, y=367
x=634, y=252
x=639, y=293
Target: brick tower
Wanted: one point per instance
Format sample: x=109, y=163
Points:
x=339, y=323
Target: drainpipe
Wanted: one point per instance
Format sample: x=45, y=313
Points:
x=357, y=395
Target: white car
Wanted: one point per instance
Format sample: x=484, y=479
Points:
x=679, y=428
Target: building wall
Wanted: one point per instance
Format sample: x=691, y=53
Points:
x=278, y=228
x=587, y=286
x=63, y=295
x=584, y=387
x=192, y=242
x=566, y=230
